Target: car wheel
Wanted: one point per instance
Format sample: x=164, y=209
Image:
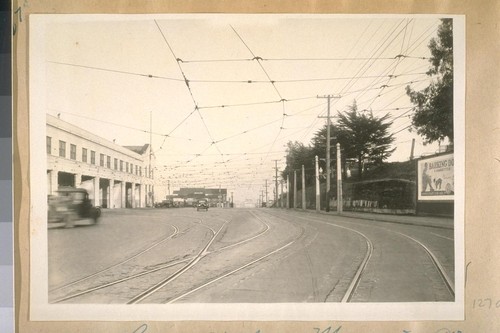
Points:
x=97, y=214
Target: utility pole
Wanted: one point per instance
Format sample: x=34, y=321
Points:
x=288, y=191
x=266, y=192
x=412, y=148
x=220, y=197
x=328, y=97
x=276, y=183
x=150, y=176
x=339, y=180
x=281, y=201
x=294, y=188
x=318, y=196
x=303, y=187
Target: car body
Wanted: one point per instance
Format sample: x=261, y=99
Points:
x=70, y=205
x=163, y=204
x=202, y=205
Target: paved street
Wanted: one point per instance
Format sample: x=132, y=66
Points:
x=250, y=255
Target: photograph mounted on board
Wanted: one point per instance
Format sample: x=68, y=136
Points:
x=246, y=167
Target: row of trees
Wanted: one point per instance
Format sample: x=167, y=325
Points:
x=366, y=139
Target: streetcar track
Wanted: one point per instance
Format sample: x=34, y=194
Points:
x=357, y=276
x=237, y=269
x=450, y=285
x=152, y=270
x=437, y=264
x=248, y=239
x=176, y=231
x=151, y=290
x=440, y=236
x=172, y=236
x=112, y=283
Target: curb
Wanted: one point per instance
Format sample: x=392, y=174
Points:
x=372, y=217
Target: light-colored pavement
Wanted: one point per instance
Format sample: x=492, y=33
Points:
x=253, y=255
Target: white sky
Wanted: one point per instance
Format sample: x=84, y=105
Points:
x=96, y=76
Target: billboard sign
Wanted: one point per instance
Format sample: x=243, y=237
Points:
x=436, y=178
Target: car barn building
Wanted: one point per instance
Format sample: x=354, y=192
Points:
x=114, y=176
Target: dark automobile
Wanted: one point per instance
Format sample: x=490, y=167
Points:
x=163, y=204
x=70, y=205
x=202, y=205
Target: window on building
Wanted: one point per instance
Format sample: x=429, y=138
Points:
x=140, y=171
x=101, y=160
x=126, y=167
x=121, y=165
x=136, y=169
x=84, y=155
x=72, y=151
x=62, y=148
x=92, y=157
x=49, y=145
x=116, y=164
x=108, y=162
x=131, y=168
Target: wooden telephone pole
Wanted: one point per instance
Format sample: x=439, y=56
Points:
x=328, y=122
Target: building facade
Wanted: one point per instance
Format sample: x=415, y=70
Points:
x=189, y=196
x=114, y=176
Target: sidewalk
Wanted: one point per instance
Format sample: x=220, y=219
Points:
x=429, y=221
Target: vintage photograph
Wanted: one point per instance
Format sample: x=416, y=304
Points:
x=266, y=167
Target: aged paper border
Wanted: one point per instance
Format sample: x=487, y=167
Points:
x=40, y=309
x=482, y=36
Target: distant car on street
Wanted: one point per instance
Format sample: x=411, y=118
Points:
x=202, y=205
x=70, y=205
x=163, y=204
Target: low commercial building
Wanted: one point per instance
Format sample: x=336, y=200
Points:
x=115, y=176
x=216, y=197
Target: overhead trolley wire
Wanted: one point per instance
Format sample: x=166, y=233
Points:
x=261, y=126
x=177, y=126
x=380, y=49
x=178, y=61
x=254, y=103
x=291, y=59
x=116, y=71
x=367, y=64
x=386, y=86
x=118, y=125
x=304, y=80
x=407, y=56
x=402, y=50
x=258, y=59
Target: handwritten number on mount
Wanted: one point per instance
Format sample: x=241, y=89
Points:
x=485, y=303
x=141, y=329
x=327, y=330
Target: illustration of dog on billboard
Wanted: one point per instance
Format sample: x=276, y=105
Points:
x=436, y=179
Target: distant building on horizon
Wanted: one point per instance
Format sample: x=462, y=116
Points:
x=191, y=195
